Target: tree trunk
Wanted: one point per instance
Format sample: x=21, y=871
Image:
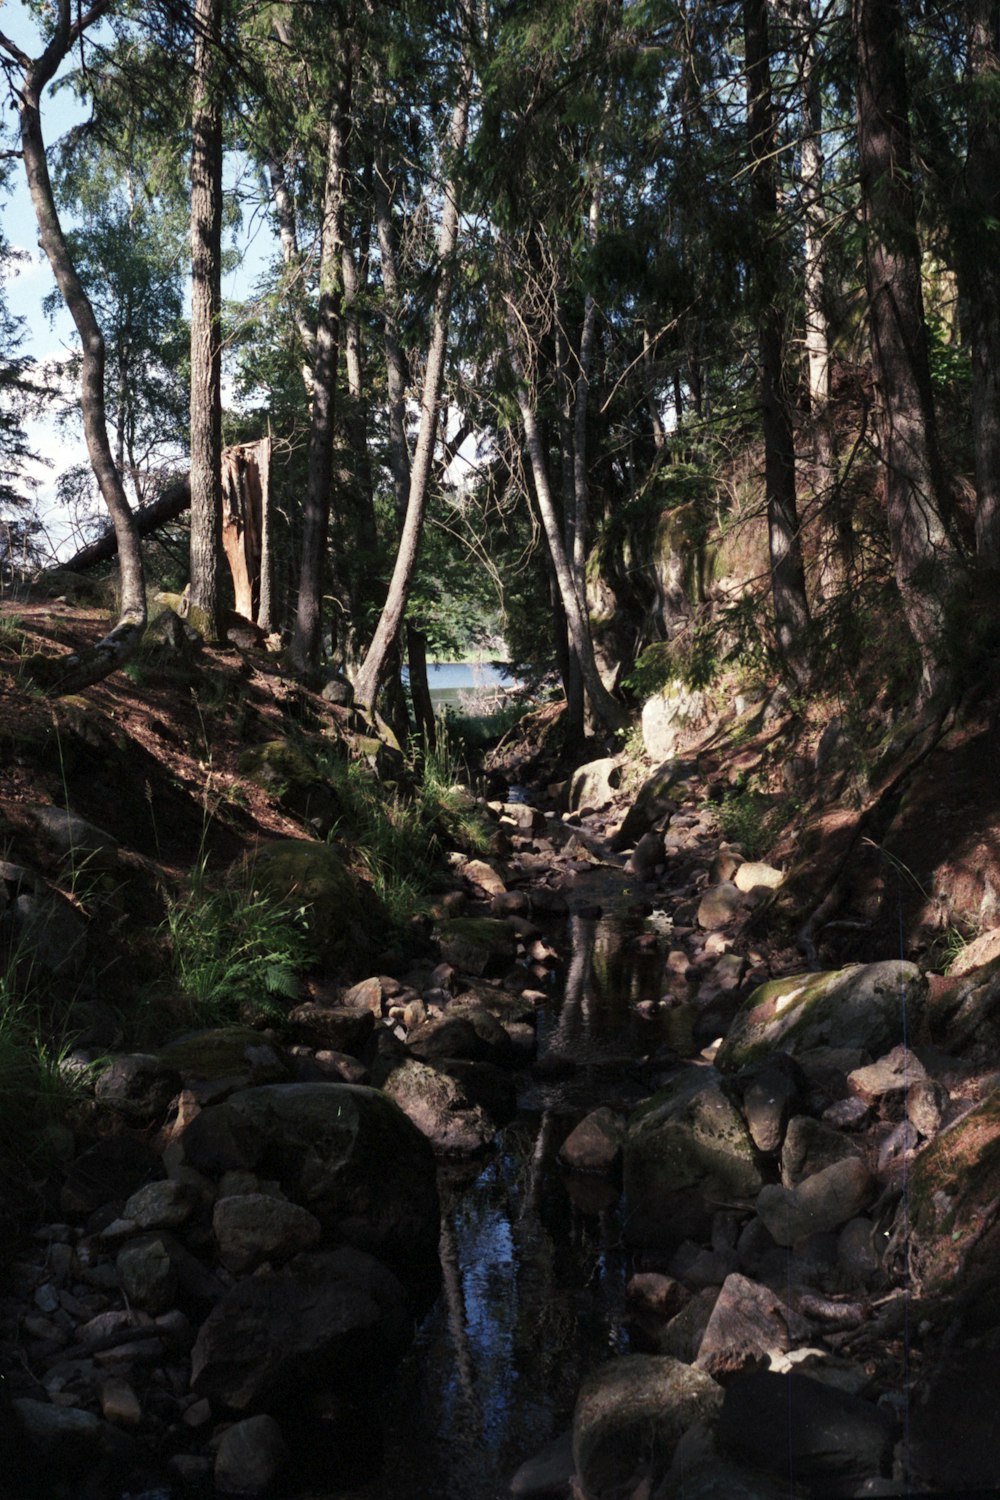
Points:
x=603, y=706
x=788, y=583
x=123, y=639
x=305, y=644
x=838, y=552
x=370, y=676
x=206, y=317
x=978, y=263
x=420, y=692
x=922, y=552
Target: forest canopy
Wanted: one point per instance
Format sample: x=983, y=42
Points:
x=589, y=328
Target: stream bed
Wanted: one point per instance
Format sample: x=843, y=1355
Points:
x=533, y=1258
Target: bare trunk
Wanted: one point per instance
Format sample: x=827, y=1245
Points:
x=420, y=691
x=305, y=645
x=788, y=583
x=288, y=237
x=603, y=706
x=373, y=668
x=206, y=313
x=123, y=639
x=399, y=456
x=922, y=552
x=979, y=265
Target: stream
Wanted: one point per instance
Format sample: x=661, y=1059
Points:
x=533, y=1259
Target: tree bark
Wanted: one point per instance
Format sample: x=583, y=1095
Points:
x=978, y=263
x=305, y=644
x=788, y=582
x=206, y=318
x=922, y=551
x=370, y=676
x=36, y=73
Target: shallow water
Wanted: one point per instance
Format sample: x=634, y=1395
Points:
x=533, y=1260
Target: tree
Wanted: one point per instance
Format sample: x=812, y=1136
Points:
x=206, y=319
x=372, y=671
x=923, y=553
x=788, y=582
x=29, y=77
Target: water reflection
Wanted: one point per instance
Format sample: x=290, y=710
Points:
x=533, y=1263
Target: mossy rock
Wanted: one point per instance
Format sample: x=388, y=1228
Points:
x=285, y=770
x=656, y=799
x=343, y=924
x=687, y=1148
x=477, y=945
x=952, y=1220
x=871, y=1006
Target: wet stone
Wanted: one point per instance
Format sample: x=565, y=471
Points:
x=595, y=1145
x=820, y=1202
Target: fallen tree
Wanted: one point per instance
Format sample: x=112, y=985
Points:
x=173, y=502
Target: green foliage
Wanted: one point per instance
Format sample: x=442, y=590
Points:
x=236, y=955
x=753, y=819
x=471, y=735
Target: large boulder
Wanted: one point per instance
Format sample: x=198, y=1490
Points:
x=667, y=715
x=686, y=1149
x=594, y=785
x=335, y=1313
x=833, y=1442
x=285, y=770
x=635, y=1410
x=345, y=1152
x=871, y=1006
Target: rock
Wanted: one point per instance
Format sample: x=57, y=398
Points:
x=485, y=881
x=63, y=1438
x=830, y=1440
x=337, y=690
x=107, y=1329
x=345, y=1152
x=860, y=1006
x=685, y=1146
x=720, y=906
x=440, y=1108
x=926, y=1102
x=161, y=1205
x=113, y=1167
x=667, y=715
x=83, y=844
x=595, y=1145
x=251, y=1228
x=250, y=1458
x=857, y=1253
x=982, y=950
x=336, y=1311
x=48, y=930
x=810, y=1146
x=146, y=1274
x=887, y=1081
x=714, y=1478
x=634, y=1410
x=652, y=1292
x=824, y=1201
x=770, y=1094
x=682, y=1336
x=749, y=1323
x=547, y=1475
x=301, y=873
x=479, y=945
x=594, y=785
x=368, y=994
x=339, y=1028
x=138, y=1086
x=647, y=855
x=283, y=769
x=463, y=1031
x=752, y=875
x=492, y=1088
x=119, y=1402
